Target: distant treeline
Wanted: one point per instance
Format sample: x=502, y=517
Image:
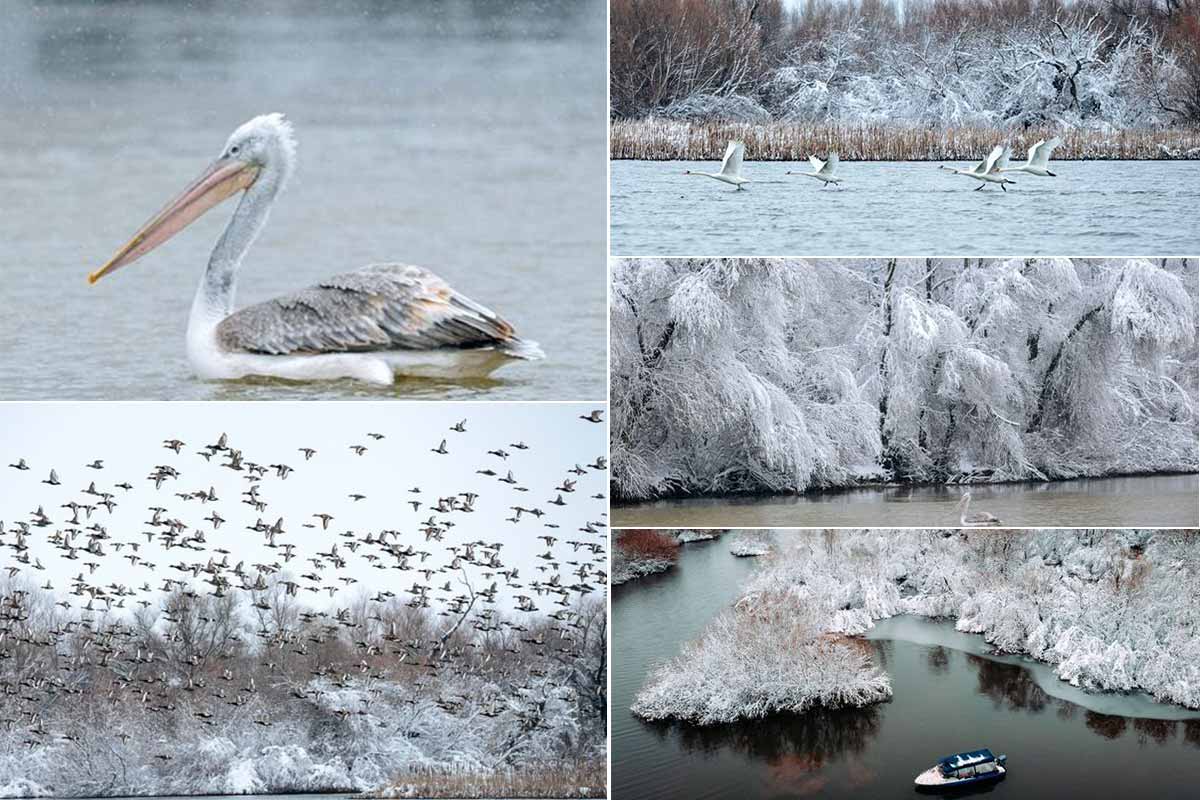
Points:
x=1013, y=64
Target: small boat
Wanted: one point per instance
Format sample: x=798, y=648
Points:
x=963, y=769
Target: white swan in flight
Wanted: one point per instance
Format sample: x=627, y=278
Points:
x=989, y=170
x=731, y=167
x=370, y=324
x=979, y=519
x=824, y=171
x=1038, y=160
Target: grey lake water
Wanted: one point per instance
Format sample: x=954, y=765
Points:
x=466, y=137
x=1093, y=208
x=1150, y=500
x=950, y=695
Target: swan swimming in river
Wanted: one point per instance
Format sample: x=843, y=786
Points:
x=979, y=519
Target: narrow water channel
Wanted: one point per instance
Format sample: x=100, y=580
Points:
x=1144, y=501
x=949, y=696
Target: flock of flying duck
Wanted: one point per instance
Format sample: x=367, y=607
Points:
x=185, y=551
x=993, y=169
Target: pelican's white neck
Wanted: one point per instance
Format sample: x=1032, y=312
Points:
x=218, y=286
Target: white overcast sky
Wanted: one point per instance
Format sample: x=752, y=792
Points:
x=128, y=437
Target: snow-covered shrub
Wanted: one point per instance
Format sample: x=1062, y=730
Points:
x=638, y=552
x=759, y=659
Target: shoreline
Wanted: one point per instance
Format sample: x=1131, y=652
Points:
x=626, y=503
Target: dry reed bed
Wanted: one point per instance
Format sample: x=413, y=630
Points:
x=587, y=780
x=661, y=139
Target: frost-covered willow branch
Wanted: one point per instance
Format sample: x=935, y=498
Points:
x=769, y=375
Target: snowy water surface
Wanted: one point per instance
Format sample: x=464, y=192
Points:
x=1142, y=501
x=468, y=138
x=1093, y=208
x=948, y=697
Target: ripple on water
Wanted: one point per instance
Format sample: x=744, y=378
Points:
x=1098, y=208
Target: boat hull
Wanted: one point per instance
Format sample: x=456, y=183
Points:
x=932, y=780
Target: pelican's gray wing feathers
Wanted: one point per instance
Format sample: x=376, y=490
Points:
x=379, y=307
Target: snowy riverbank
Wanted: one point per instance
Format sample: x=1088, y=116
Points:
x=639, y=552
x=1110, y=610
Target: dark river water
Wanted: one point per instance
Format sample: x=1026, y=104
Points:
x=467, y=137
x=946, y=700
x=1149, y=500
x=905, y=208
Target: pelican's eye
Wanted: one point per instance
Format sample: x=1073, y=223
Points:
x=233, y=151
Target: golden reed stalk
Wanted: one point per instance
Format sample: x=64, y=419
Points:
x=661, y=139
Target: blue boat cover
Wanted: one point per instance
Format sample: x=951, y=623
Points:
x=967, y=759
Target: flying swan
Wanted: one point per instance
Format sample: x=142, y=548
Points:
x=823, y=170
x=1038, y=160
x=987, y=171
x=731, y=167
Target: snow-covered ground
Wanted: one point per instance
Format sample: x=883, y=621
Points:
x=1111, y=610
x=751, y=543
x=689, y=535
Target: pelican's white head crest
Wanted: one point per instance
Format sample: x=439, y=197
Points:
x=267, y=141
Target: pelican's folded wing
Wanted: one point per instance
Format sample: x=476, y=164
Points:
x=380, y=307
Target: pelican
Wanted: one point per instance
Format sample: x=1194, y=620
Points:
x=370, y=324
x=1037, y=162
x=731, y=167
x=987, y=171
x=980, y=519
x=823, y=170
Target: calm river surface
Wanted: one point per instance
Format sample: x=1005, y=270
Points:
x=467, y=137
x=946, y=700
x=1095, y=208
x=1153, y=500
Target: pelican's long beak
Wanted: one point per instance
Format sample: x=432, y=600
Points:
x=224, y=177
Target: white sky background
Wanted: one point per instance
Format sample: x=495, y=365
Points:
x=129, y=439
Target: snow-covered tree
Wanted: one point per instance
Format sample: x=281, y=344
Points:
x=768, y=375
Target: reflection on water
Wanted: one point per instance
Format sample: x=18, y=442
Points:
x=1150, y=500
x=815, y=738
x=1102, y=208
x=465, y=136
x=946, y=699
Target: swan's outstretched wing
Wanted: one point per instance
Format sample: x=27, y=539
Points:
x=997, y=159
x=380, y=307
x=732, y=163
x=816, y=163
x=1039, y=154
x=830, y=165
